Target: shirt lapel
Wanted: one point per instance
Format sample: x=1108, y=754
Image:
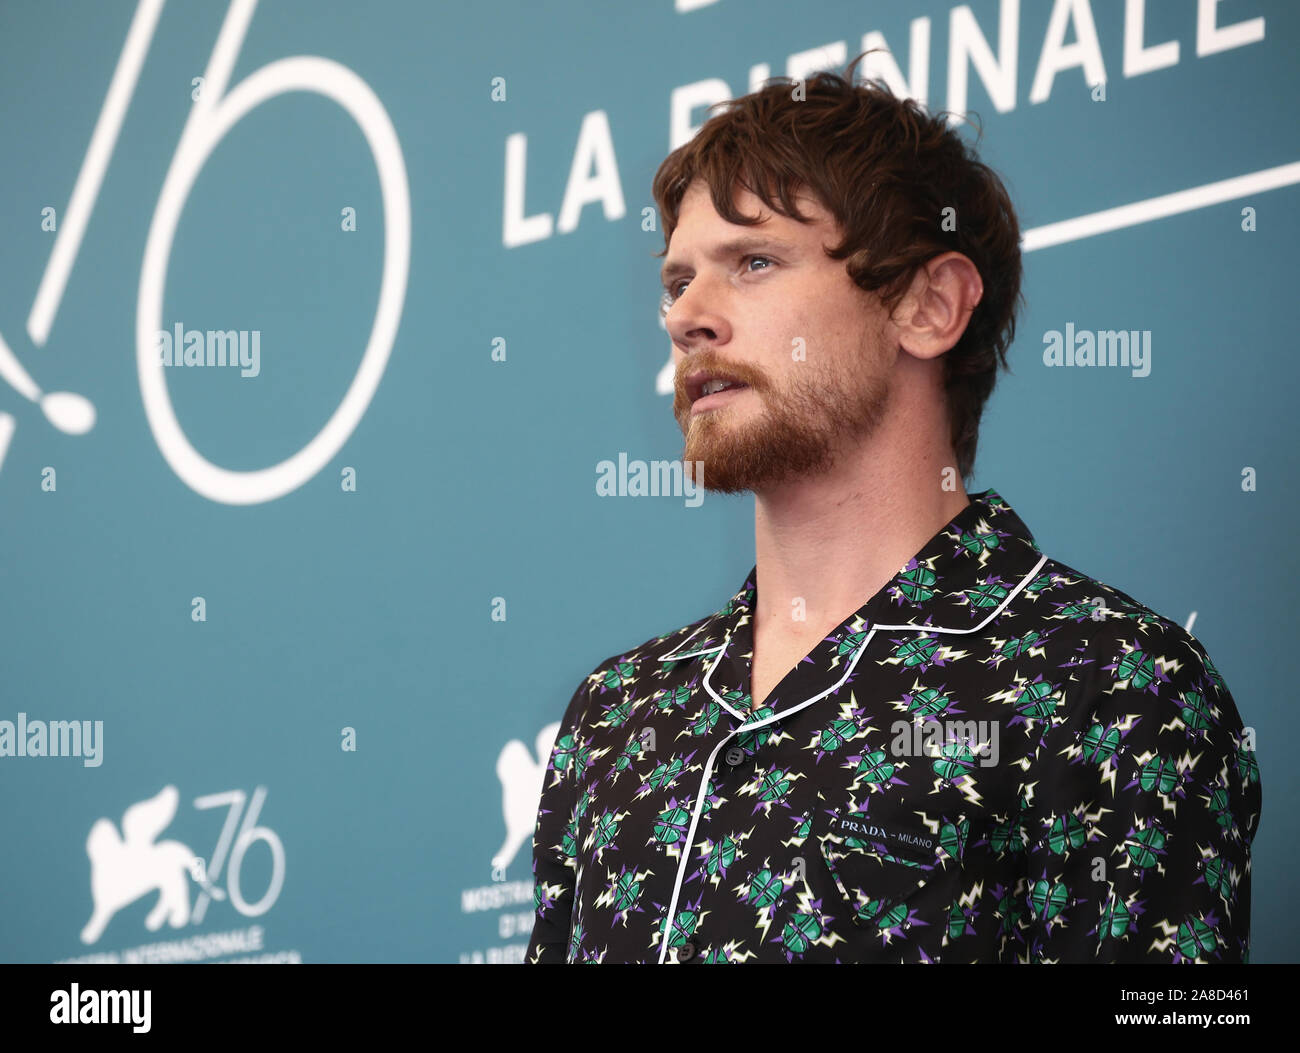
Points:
x=960, y=579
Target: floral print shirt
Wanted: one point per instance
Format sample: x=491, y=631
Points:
x=996, y=759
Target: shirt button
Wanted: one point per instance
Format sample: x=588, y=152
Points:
x=687, y=951
x=735, y=756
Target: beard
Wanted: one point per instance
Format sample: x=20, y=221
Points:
x=797, y=430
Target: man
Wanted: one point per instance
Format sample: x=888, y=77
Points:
x=920, y=739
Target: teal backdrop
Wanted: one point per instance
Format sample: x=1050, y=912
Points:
x=320, y=610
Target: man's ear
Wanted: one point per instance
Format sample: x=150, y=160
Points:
x=938, y=304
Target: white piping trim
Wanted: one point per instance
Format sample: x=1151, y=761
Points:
x=673, y=657
x=692, y=654
x=709, y=687
x=708, y=766
x=993, y=614
x=708, y=769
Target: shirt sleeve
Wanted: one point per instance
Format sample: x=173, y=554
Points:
x=1145, y=797
x=555, y=840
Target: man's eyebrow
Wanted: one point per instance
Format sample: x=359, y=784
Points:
x=736, y=247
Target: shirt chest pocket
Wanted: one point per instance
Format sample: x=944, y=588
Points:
x=893, y=871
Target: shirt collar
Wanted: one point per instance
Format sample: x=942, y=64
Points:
x=959, y=578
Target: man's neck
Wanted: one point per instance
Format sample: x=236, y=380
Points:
x=826, y=545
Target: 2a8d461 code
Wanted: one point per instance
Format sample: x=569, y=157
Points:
x=1196, y=995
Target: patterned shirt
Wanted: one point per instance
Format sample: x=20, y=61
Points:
x=995, y=759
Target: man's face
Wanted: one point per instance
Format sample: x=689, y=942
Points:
x=765, y=307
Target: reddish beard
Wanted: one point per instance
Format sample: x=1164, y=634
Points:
x=791, y=432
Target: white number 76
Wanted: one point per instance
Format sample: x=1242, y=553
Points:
x=218, y=109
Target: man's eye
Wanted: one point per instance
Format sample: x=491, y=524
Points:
x=673, y=291
x=670, y=295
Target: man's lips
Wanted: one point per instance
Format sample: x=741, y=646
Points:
x=696, y=384
x=718, y=398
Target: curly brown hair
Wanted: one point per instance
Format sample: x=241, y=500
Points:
x=887, y=170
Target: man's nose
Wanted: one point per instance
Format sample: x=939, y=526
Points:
x=696, y=318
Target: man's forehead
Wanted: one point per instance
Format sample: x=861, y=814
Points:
x=697, y=214
x=698, y=201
